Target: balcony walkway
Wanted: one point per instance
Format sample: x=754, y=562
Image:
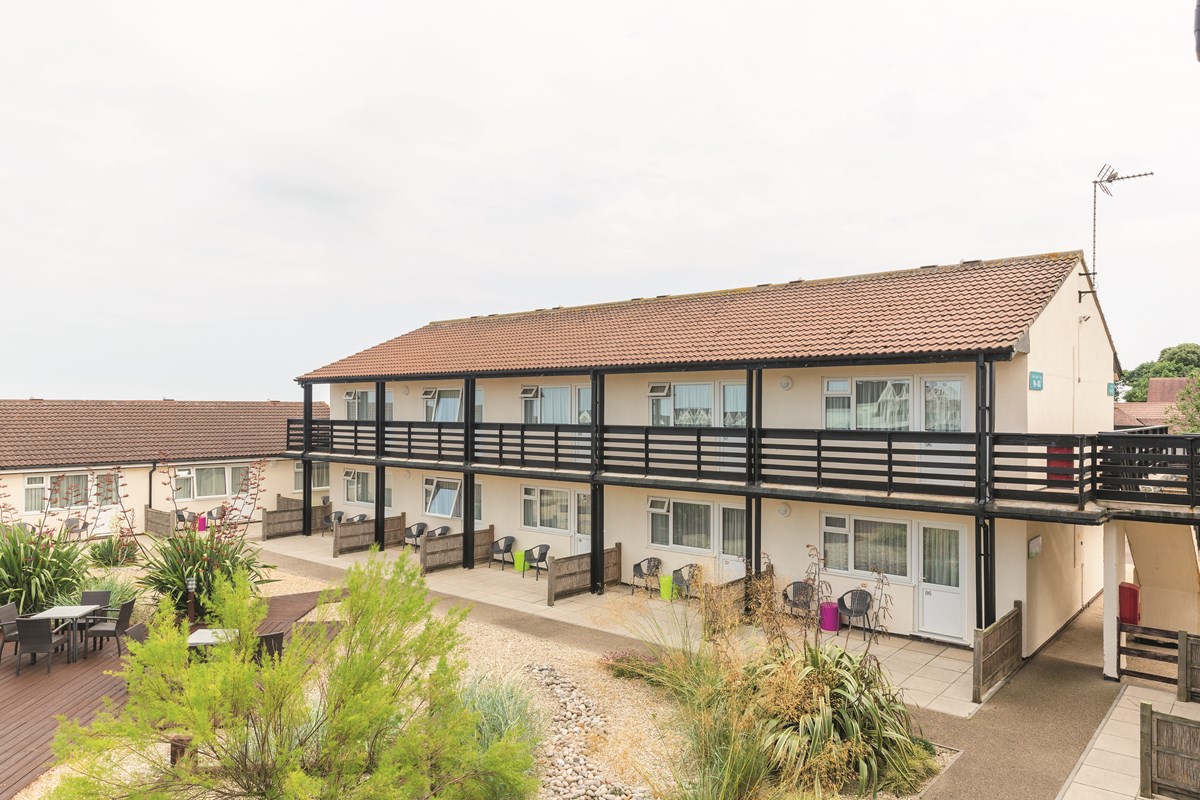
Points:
x=932, y=676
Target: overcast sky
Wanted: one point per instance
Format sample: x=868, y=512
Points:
x=206, y=200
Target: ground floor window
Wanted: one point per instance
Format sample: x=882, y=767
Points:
x=443, y=499
x=546, y=509
x=679, y=523
x=360, y=486
x=320, y=475
x=862, y=544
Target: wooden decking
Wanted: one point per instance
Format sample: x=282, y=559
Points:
x=30, y=703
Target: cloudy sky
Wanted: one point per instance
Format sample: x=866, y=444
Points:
x=206, y=200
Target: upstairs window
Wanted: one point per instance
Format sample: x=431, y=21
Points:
x=682, y=404
x=868, y=405
x=546, y=405
x=444, y=405
x=360, y=404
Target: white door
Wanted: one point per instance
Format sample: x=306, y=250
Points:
x=582, y=539
x=939, y=594
x=731, y=561
x=942, y=410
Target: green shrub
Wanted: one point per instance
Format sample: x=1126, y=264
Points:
x=628, y=664
x=203, y=556
x=35, y=566
x=120, y=589
x=114, y=551
x=369, y=707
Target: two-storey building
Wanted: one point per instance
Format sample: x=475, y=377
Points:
x=941, y=425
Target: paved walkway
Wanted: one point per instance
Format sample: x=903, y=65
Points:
x=931, y=675
x=1109, y=768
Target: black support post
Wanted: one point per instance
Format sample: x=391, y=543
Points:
x=597, y=560
x=468, y=481
x=985, y=571
x=991, y=432
x=380, y=469
x=304, y=460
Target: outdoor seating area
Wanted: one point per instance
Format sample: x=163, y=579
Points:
x=62, y=628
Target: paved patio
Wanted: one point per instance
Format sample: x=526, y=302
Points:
x=1109, y=768
x=932, y=676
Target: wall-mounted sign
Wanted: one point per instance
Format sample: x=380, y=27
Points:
x=1036, y=381
x=1035, y=547
x=1112, y=390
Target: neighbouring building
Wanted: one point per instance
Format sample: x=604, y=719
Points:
x=60, y=458
x=942, y=425
x=1155, y=411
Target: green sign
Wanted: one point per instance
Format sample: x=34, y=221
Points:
x=1036, y=381
x=1112, y=390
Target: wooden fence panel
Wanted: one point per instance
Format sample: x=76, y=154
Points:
x=288, y=517
x=997, y=652
x=1169, y=755
x=354, y=536
x=158, y=521
x=441, y=552
x=573, y=574
x=1189, y=668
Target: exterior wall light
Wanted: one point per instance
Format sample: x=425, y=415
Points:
x=783, y=509
x=785, y=382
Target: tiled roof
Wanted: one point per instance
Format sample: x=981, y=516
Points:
x=980, y=306
x=1140, y=414
x=50, y=433
x=1165, y=390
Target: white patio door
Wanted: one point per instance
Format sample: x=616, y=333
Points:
x=939, y=593
x=731, y=561
x=582, y=538
x=942, y=412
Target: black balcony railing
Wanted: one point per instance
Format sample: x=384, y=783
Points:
x=1052, y=468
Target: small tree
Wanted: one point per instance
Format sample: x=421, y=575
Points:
x=371, y=711
x=1184, y=416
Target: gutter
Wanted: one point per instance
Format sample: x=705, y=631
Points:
x=150, y=484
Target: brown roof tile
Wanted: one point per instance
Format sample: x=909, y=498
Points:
x=1165, y=390
x=51, y=433
x=1141, y=414
x=964, y=308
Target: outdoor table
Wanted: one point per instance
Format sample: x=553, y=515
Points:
x=73, y=613
x=206, y=637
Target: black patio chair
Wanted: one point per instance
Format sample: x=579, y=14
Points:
x=8, y=627
x=216, y=514
x=414, y=533
x=269, y=645
x=683, y=578
x=440, y=531
x=37, y=636
x=75, y=527
x=95, y=597
x=645, y=571
x=856, y=603
x=357, y=518
x=536, y=556
x=336, y=516
x=325, y=500
x=138, y=633
x=110, y=627
x=798, y=597
x=502, y=547
x=185, y=518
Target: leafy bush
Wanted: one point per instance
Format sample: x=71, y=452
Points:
x=120, y=588
x=373, y=710
x=203, y=556
x=114, y=551
x=35, y=566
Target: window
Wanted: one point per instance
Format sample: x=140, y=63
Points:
x=239, y=480
x=865, y=545
x=548, y=405
x=733, y=405
x=108, y=489
x=442, y=405
x=870, y=405
x=320, y=475
x=943, y=405
x=583, y=405
x=546, y=509
x=675, y=523
x=583, y=513
x=359, y=486
x=69, y=491
x=184, y=484
x=360, y=404
x=442, y=498
x=478, y=404
x=210, y=482
x=733, y=531
x=683, y=404
x=35, y=492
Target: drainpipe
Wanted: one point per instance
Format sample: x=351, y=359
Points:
x=150, y=484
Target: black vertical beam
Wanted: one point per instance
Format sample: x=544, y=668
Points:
x=597, y=560
x=989, y=597
x=991, y=432
x=380, y=469
x=980, y=571
x=306, y=497
x=468, y=480
x=756, y=553
x=751, y=424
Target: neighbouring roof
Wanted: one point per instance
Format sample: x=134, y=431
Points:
x=72, y=433
x=1165, y=390
x=1140, y=415
x=968, y=308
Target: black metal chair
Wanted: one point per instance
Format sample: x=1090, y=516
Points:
x=536, y=557
x=110, y=627
x=336, y=516
x=185, y=518
x=95, y=597
x=216, y=514
x=269, y=645
x=502, y=547
x=683, y=578
x=439, y=531
x=138, y=633
x=357, y=518
x=37, y=636
x=8, y=627
x=325, y=500
x=414, y=533
x=798, y=598
x=856, y=603
x=646, y=570
x=75, y=527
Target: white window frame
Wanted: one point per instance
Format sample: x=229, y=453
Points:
x=572, y=509
x=654, y=506
x=719, y=525
x=918, y=402
x=533, y=394
x=850, y=571
x=388, y=404
x=350, y=476
x=46, y=484
x=35, y=483
x=664, y=390
x=916, y=410
x=429, y=482
x=434, y=394
x=298, y=476
x=184, y=474
x=102, y=481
